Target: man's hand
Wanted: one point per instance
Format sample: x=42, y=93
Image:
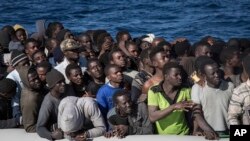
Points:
x=183, y=105
x=122, y=130
x=57, y=134
x=110, y=134
x=81, y=137
x=211, y=135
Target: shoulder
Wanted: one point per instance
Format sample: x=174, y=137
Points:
x=242, y=88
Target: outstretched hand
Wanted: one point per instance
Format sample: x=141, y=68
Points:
x=184, y=105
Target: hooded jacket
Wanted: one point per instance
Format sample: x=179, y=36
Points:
x=30, y=102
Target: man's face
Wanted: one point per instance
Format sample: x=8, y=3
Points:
x=31, y=47
x=34, y=81
x=212, y=74
x=21, y=35
x=118, y=58
x=72, y=54
x=204, y=51
x=115, y=75
x=174, y=76
x=160, y=59
x=95, y=69
x=39, y=57
x=76, y=76
x=85, y=41
x=133, y=50
x=235, y=61
x=41, y=73
x=60, y=86
x=124, y=104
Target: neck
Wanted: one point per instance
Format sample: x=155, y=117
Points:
x=168, y=88
x=158, y=72
x=228, y=70
x=100, y=80
x=149, y=69
x=213, y=85
x=114, y=84
x=122, y=114
x=55, y=94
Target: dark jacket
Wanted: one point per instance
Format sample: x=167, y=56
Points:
x=30, y=102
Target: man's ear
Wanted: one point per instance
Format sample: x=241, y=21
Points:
x=26, y=51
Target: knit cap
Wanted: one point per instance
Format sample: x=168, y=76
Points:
x=17, y=56
x=53, y=77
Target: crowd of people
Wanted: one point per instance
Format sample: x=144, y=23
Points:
x=62, y=85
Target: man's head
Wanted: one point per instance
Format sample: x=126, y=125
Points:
x=33, y=80
x=74, y=74
x=95, y=68
x=85, y=41
x=132, y=48
x=172, y=74
x=203, y=49
x=53, y=29
x=211, y=73
x=42, y=69
x=113, y=73
x=55, y=81
x=7, y=88
x=123, y=36
x=182, y=48
x=157, y=40
x=19, y=59
x=230, y=57
x=158, y=57
x=123, y=103
x=38, y=57
x=166, y=46
x=31, y=45
x=117, y=57
x=21, y=34
x=144, y=57
x=70, y=49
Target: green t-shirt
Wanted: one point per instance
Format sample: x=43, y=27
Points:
x=174, y=123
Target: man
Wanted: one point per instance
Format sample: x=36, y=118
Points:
x=30, y=46
x=31, y=97
x=106, y=92
x=75, y=76
x=239, y=107
x=80, y=118
x=158, y=58
x=145, y=73
x=18, y=61
x=231, y=63
x=127, y=118
x=47, y=119
x=212, y=99
x=42, y=69
x=168, y=101
x=118, y=58
x=203, y=49
x=7, y=90
x=70, y=48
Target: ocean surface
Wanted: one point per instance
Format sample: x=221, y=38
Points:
x=192, y=19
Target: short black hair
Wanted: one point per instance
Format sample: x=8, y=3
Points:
x=168, y=66
x=117, y=94
x=30, y=40
x=206, y=62
x=101, y=39
x=201, y=45
x=181, y=47
x=246, y=64
x=44, y=64
x=108, y=67
x=164, y=43
x=120, y=34
x=199, y=61
x=228, y=53
x=7, y=85
x=110, y=55
x=52, y=27
x=154, y=51
x=71, y=67
x=93, y=88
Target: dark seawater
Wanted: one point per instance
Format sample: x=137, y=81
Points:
x=172, y=18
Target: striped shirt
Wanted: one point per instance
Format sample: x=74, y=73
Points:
x=239, y=107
